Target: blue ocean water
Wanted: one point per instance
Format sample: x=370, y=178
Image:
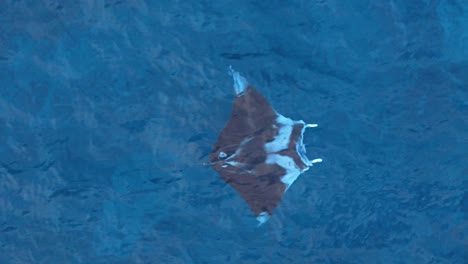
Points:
x=109, y=108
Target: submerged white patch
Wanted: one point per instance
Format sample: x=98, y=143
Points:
x=240, y=83
x=281, y=140
x=262, y=218
x=288, y=164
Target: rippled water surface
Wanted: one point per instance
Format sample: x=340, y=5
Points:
x=109, y=108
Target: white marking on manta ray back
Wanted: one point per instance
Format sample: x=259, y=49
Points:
x=287, y=163
x=281, y=140
x=240, y=83
x=234, y=163
x=238, y=150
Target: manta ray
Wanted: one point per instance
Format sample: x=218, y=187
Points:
x=259, y=152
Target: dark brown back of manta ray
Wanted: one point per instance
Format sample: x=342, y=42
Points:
x=250, y=127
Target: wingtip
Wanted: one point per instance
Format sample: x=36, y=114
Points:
x=262, y=218
x=240, y=83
